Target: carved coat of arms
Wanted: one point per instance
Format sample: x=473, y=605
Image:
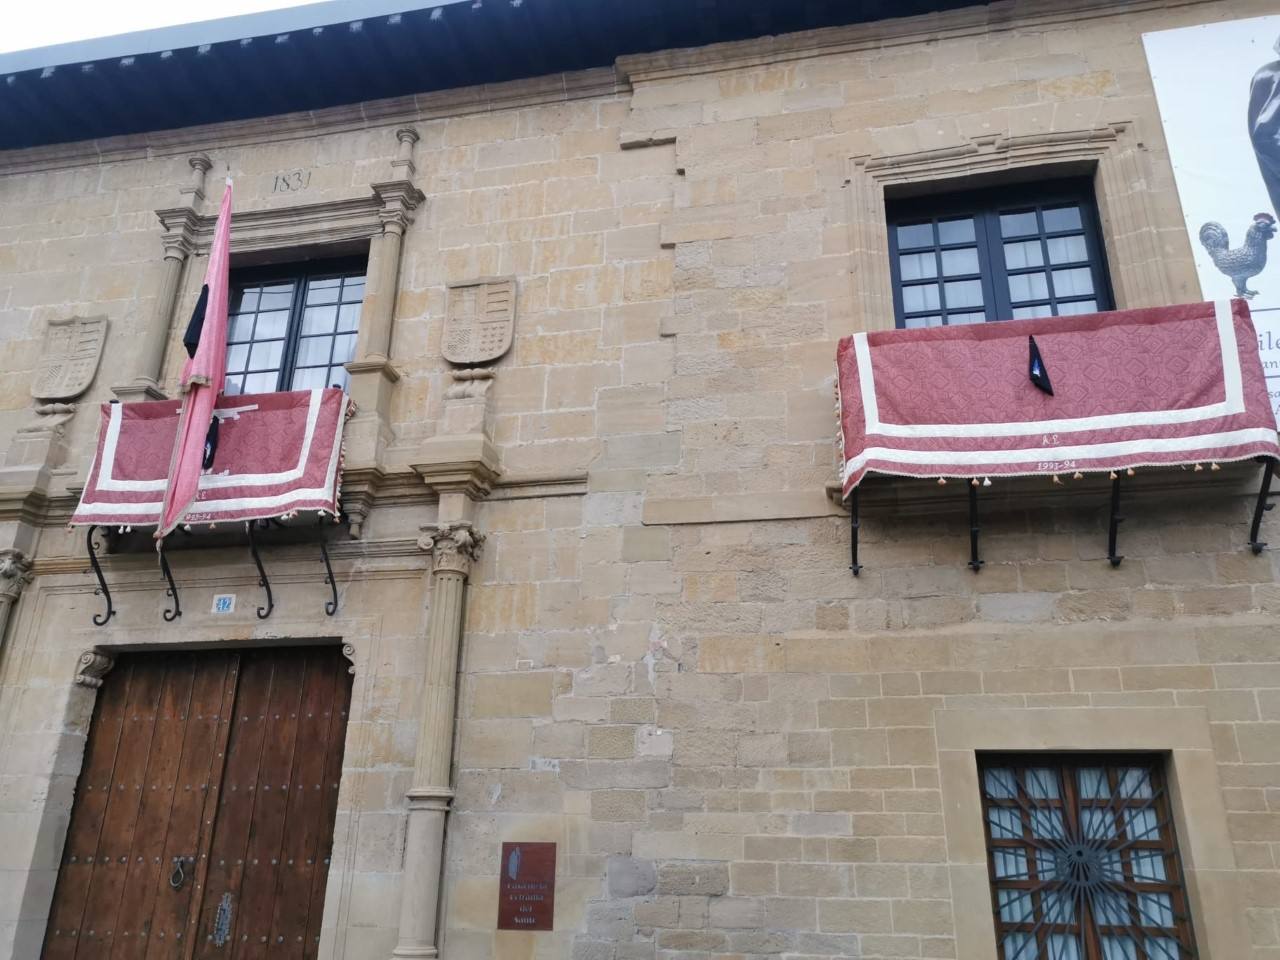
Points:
x=72, y=349
x=479, y=321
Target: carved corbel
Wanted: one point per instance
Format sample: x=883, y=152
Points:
x=93, y=666
x=15, y=574
x=454, y=546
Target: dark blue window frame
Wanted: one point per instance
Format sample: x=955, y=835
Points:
x=997, y=254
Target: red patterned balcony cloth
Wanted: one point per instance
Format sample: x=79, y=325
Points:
x=277, y=453
x=1132, y=388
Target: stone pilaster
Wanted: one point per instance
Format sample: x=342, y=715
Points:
x=372, y=373
x=453, y=545
x=15, y=573
x=180, y=224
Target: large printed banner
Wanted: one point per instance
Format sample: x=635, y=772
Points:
x=1218, y=87
x=277, y=453
x=1157, y=387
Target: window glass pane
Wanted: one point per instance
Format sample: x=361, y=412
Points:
x=1093, y=783
x=916, y=323
x=1060, y=906
x=1000, y=783
x=1018, y=946
x=964, y=293
x=323, y=291
x=1015, y=906
x=1077, y=282
x=1076, y=307
x=231, y=386
x=1140, y=823
x=920, y=297
x=1005, y=823
x=1135, y=784
x=1031, y=313
x=353, y=289
x=959, y=262
x=271, y=325
x=918, y=266
x=1155, y=909
x=244, y=301
x=344, y=348
x=1066, y=250
x=1148, y=866
x=1161, y=948
x=1057, y=219
x=276, y=297
x=337, y=377
x=313, y=351
x=1019, y=224
x=266, y=355
x=915, y=235
x=305, y=378
x=349, y=316
x=1028, y=286
x=1119, y=948
x=1042, y=783
x=1064, y=947
x=1110, y=909
x=1010, y=864
x=960, y=319
x=318, y=320
x=261, y=382
x=1023, y=253
x=241, y=328
x=1047, y=823
x=1098, y=823
x=236, y=357
x=956, y=231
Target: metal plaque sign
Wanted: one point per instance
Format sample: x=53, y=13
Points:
x=480, y=321
x=72, y=349
x=527, y=886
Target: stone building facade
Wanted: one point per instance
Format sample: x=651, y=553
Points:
x=665, y=666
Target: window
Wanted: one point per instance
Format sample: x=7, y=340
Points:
x=1082, y=859
x=292, y=328
x=997, y=254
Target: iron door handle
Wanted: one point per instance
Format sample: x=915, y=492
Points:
x=179, y=875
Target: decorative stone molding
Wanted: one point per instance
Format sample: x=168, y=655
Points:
x=455, y=546
x=15, y=574
x=349, y=651
x=93, y=666
x=1111, y=151
x=331, y=221
x=200, y=165
x=403, y=163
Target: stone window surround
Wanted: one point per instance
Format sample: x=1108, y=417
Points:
x=1112, y=153
x=1200, y=820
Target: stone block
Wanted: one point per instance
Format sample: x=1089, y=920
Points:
x=689, y=878
x=630, y=877
x=526, y=694
x=618, y=805
x=611, y=742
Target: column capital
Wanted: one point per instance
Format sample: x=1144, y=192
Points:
x=399, y=199
x=179, y=237
x=15, y=573
x=455, y=546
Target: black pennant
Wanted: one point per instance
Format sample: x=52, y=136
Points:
x=1036, y=369
x=191, y=339
x=210, y=444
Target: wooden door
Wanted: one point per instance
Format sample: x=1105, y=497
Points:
x=203, y=818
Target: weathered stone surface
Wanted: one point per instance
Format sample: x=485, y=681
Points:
x=687, y=878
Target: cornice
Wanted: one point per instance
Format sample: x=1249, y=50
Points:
x=832, y=41
x=331, y=221
x=399, y=111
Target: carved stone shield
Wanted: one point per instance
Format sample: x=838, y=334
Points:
x=480, y=320
x=72, y=349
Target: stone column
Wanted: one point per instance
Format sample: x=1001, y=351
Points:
x=15, y=573
x=454, y=545
x=180, y=225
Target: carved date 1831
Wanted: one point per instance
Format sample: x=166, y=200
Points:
x=291, y=182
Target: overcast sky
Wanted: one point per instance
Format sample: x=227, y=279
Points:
x=28, y=25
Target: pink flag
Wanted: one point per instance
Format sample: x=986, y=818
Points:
x=202, y=377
